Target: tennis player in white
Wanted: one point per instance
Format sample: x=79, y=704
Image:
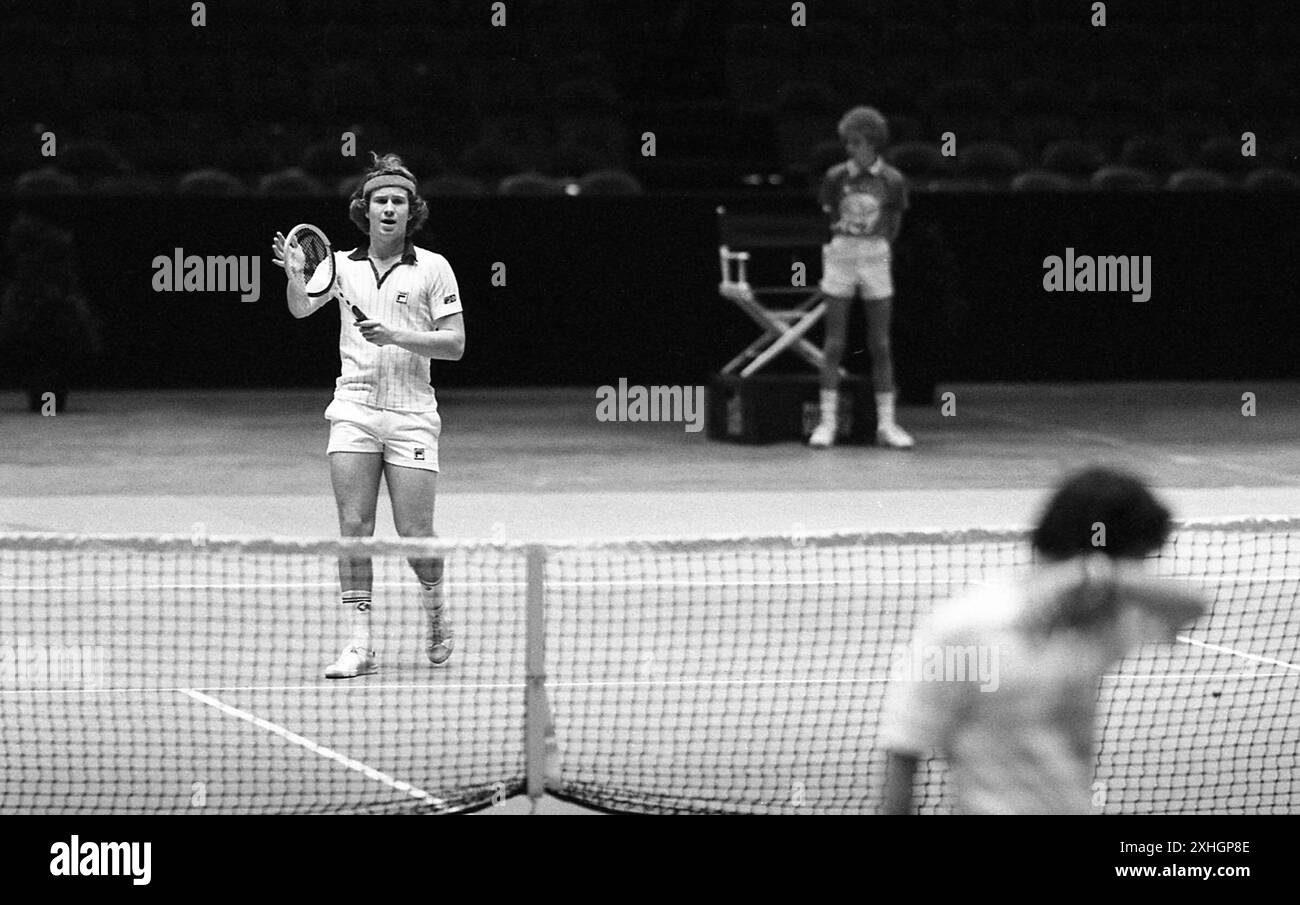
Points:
x=384, y=418
x=1025, y=744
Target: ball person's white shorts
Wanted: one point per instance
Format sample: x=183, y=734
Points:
x=405, y=438
x=852, y=264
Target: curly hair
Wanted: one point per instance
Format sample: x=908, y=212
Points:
x=867, y=122
x=388, y=165
x=1137, y=524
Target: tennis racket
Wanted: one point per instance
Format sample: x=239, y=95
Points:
x=314, y=270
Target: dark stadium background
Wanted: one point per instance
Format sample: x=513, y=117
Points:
x=1116, y=140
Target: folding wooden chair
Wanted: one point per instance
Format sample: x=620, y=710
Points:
x=773, y=307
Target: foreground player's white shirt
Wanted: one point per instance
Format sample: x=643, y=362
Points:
x=412, y=295
x=1023, y=743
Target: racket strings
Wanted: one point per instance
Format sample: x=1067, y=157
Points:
x=315, y=252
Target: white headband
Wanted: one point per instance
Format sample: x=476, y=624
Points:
x=386, y=180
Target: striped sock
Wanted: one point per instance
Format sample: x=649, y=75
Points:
x=432, y=594
x=358, y=604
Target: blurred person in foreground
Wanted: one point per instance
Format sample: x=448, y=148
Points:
x=1023, y=743
x=46, y=326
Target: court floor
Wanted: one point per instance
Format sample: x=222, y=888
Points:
x=537, y=464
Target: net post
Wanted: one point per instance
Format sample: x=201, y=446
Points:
x=540, y=753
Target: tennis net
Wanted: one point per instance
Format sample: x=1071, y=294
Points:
x=735, y=675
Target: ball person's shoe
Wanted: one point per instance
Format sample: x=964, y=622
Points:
x=894, y=436
x=354, y=661
x=438, y=639
x=823, y=435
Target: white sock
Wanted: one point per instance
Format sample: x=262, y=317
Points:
x=884, y=409
x=358, y=604
x=830, y=400
x=431, y=595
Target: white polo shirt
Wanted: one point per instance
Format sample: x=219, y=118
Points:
x=1023, y=743
x=413, y=294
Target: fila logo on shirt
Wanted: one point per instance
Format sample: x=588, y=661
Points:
x=450, y=299
x=401, y=298
x=419, y=454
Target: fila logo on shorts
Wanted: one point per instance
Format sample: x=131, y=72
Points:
x=419, y=454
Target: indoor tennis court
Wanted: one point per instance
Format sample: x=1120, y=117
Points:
x=733, y=676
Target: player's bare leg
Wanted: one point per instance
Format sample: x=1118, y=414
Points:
x=888, y=433
x=355, y=477
x=837, y=327
x=412, y=492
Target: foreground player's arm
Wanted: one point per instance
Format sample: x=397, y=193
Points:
x=918, y=716
x=1167, y=605
x=446, y=341
x=900, y=770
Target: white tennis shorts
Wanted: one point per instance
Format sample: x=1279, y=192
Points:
x=853, y=265
x=409, y=439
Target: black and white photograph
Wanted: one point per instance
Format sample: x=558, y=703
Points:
x=659, y=407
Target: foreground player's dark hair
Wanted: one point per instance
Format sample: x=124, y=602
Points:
x=388, y=165
x=1135, y=522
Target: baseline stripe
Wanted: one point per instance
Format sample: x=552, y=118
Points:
x=614, y=683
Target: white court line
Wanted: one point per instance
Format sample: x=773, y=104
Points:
x=869, y=680
x=333, y=686
x=615, y=683
x=267, y=586
x=1238, y=653
x=1224, y=578
x=307, y=743
x=1159, y=677
x=1149, y=449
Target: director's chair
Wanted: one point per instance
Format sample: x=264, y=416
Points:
x=772, y=306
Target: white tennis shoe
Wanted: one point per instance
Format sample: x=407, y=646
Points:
x=823, y=435
x=354, y=661
x=893, y=435
x=438, y=638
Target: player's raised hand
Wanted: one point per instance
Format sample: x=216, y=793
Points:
x=288, y=256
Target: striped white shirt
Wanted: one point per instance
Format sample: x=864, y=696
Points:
x=413, y=294
x=1020, y=741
